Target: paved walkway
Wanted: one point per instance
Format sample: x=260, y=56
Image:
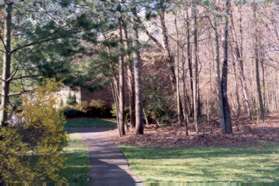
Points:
x=109, y=165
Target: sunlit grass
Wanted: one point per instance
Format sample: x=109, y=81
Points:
x=88, y=122
x=259, y=164
x=77, y=165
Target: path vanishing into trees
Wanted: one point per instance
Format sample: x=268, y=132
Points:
x=108, y=165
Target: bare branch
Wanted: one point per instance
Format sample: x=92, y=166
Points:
x=34, y=43
x=149, y=34
x=20, y=93
x=3, y=43
x=25, y=77
x=12, y=75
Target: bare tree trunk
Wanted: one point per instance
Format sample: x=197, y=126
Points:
x=131, y=83
x=115, y=96
x=239, y=55
x=196, y=67
x=190, y=65
x=137, y=75
x=257, y=63
x=145, y=117
x=7, y=57
x=259, y=92
x=184, y=100
x=218, y=71
x=211, y=85
x=178, y=96
x=121, y=88
x=265, y=105
x=238, y=109
x=131, y=96
x=171, y=63
x=227, y=125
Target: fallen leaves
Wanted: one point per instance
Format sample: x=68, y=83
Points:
x=245, y=134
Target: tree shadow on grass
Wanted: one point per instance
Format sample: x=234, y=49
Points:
x=76, y=169
x=204, y=152
x=205, y=164
x=209, y=184
x=84, y=125
x=71, y=130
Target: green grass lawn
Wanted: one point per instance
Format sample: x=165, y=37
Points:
x=215, y=164
x=88, y=122
x=77, y=165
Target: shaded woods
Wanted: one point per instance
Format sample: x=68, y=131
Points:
x=207, y=61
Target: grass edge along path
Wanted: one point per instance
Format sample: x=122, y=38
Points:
x=77, y=163
x=77, y=158
x=208, y=164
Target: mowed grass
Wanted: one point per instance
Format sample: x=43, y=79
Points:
x=212, y=164
x=77, y=165
x=89, y=122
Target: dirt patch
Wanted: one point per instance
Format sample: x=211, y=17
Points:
x=245, y=134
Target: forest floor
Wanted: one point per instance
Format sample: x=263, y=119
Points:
x=245, y=133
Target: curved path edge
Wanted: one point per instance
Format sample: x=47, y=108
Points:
x=109, y=166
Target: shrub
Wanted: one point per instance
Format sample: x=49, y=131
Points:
x=40, y=114
x=71, y=112
x=83, y=106
x=43, y=131
x=114, y=110
x=157, y=109
x=96, y=108
x=98, y=104
x=32, y=151
x=157, y=100
x=12, y=151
